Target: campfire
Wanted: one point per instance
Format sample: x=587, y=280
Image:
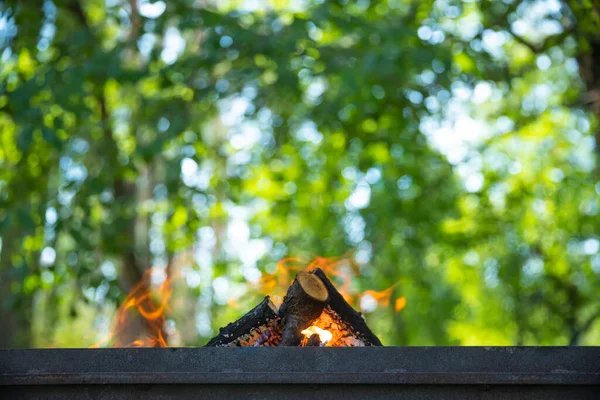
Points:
x=313, y=313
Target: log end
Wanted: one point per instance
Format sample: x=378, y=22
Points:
x=271, y=305
x=313, y=286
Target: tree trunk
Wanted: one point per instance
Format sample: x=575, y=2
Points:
x=15, y=313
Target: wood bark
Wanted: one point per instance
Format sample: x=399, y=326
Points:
x=259, y=316
x=353, y=319
x=303, y=303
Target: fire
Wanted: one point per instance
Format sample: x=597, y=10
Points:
x=143, y=310
x=400, y=304
x=342, y=268
x=324, y=335
x=382, y=298
x=275, y=284
x=141, y=320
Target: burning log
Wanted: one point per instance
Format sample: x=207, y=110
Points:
x=341, y=311
x=303, y=303
x=259, y=325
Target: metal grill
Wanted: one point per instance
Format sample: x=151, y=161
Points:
x=300, y=373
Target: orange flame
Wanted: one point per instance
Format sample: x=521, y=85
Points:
x=400, y=304
x=341, y=269
x=382, y=297
x=143, y=310
x=276, y=284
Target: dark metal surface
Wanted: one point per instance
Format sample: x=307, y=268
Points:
x=382, y=372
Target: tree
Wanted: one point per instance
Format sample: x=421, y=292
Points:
x=212, y=141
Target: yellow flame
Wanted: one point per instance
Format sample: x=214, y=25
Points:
x=324, y=335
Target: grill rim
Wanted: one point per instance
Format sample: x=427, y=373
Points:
x=372, y=365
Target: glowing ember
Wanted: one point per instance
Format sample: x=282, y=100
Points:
x=324, y=336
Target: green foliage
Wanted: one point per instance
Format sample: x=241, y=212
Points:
x=443, y=143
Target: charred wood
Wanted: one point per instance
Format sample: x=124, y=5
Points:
x=247, y=330
x=303, y=303
x=351, y=318
x=314, y=341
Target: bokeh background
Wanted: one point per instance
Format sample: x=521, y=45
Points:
x=448, y=147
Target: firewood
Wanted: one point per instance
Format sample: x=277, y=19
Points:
x=313, y=341
x=249, y=328
x=303, y=303
x=352, y=318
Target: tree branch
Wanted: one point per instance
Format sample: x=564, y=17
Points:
x=586, y=325
x=547, y=44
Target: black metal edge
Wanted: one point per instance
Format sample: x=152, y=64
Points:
x=382, y=365
x=367, y=378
